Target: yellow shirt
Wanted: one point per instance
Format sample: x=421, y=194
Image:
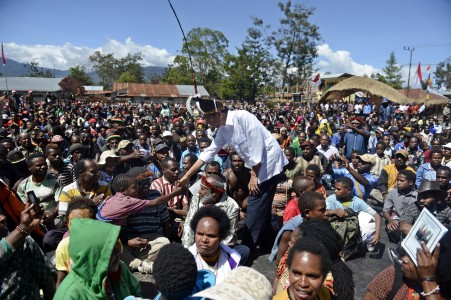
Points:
x=323, y=294
x=62, y=258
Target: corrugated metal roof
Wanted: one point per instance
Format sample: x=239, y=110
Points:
x=337, y=75
x=188, y=90
x=155, y=90
x=31, y=83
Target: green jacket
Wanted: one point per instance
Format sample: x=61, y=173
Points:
x=90, y=247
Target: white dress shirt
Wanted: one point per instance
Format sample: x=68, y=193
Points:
x=331, y=150
x=251, y=141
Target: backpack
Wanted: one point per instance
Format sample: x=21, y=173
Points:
x=349, y=230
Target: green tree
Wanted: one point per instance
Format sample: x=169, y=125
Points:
x=443, y=74
x=79, y=72
x=110, y=68
x=379, y=77
x=35, y=71
x=127, y=77
x=208, y=49
x=179, y=72
x=250, y=70
x=393, y=72
x=295, y=41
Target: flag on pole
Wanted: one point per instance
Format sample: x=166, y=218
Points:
x=3, y=56
x=428, y=82
x=317, y=80
x=420, y=77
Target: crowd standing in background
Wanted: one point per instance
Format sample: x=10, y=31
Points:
x=123, y=185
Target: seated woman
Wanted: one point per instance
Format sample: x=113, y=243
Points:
x=308, y=264
x=211, y=226
x=429, y=280
x=339, y=280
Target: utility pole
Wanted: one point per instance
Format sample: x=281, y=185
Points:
x=410, y=65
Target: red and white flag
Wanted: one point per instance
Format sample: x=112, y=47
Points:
x=3, y=56
x=317, y=80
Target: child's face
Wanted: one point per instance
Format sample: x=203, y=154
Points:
x=132, y=189
x=319, y=212
x=402, y=182
x=312, y=175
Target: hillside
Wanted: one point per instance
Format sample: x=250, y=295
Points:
x=18, y=69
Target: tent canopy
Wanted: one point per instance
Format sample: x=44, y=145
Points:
x=367, y=85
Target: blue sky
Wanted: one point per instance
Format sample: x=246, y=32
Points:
x=358, y=36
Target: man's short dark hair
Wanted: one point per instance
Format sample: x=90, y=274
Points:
x=435, y=151
x=213, y=163
x=80, y=202
x=307, y=200
x=445, y=169
x=410, y=176
x=347, y=182
x=203, y=140
x=381, y=143
x=358, y=152
x=192, y=157
x=121, y=182
x=216, y=213
x=32, y=157
x=80, y=167
x=166, y=160
x=175, y=271
x=291, y=149
x=314, y=168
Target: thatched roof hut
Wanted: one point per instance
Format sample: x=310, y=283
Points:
x=375, y=90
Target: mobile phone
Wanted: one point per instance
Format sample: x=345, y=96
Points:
x=34, y=200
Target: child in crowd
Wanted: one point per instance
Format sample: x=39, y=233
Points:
x=125, y=202
x=397, y=200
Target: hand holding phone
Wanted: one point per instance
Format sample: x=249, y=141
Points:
x=33, y=199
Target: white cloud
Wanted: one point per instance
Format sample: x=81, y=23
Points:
x=341, y=61
x=65, y=56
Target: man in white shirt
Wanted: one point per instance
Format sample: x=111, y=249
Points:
x=325, y=148
x=260, y=151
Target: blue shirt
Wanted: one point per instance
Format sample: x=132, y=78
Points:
x=356, y=205
x=364, y=192
x=367, y=109
x=184, y=153
x=355, y=141
x=421, y=172
x=288, y=226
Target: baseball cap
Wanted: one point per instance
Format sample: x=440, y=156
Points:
x=56, y=139
x=166, y=133
x=160, y=147
x=403, y=153
x=105, y=155
x=92, y=121
x=123, y=144
x=448, y=145
x=367, y=158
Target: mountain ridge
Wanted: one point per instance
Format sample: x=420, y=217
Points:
x=18, y=69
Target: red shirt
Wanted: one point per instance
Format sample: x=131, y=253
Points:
x=291, y=210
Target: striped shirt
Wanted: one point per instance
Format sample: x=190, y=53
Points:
x=148, y=220
x=165, y=188
x=74, y=189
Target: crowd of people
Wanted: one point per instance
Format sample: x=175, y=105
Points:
x=92, y=191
